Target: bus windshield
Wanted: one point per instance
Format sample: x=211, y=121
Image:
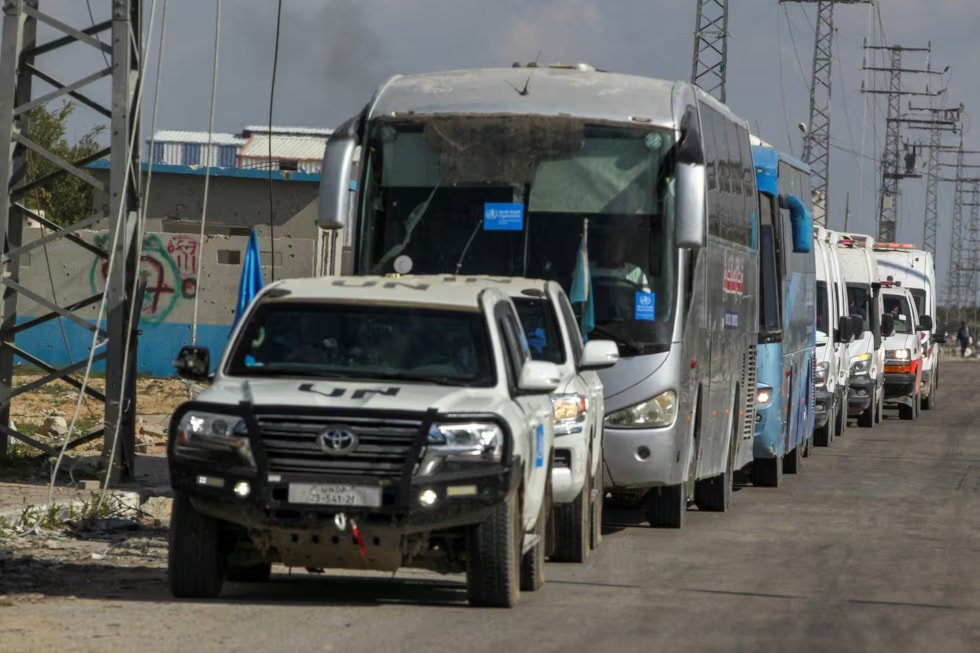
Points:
x=515, y=195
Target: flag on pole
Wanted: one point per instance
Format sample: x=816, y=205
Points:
x=582, y=284
x=251, y=282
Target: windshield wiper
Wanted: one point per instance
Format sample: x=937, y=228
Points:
x=629, y=344
x=399, y=376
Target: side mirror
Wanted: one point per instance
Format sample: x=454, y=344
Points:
x=887, y=324
x=599, y=354
x=845, y=328
x=539, y=377
x=336, y=185
x=857, y=325
x=939, y=338
x=925, y=323
x=689, y=227
x=193, y=363
x=802, y=221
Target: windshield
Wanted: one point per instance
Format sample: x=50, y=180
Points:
x=330, y=340
x=859, y=303
x=541, y=329
x=898, y=306
x=515, y=196
x=823, y=314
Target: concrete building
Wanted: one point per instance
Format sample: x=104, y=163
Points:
x=293, y=148
x=181, y=269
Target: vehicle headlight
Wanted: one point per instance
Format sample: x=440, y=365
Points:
x=902, y=355
x=472, y=442
x=653, y=413
x=861, y=364
x=763, y=395
x=570, y=413
x=212, y=431
x=823, y=368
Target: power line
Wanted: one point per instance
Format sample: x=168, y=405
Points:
x=272, y=99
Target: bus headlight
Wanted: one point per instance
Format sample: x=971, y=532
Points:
x=898, y=355
x=861, y=365
x=653, y=413
x=763, y=395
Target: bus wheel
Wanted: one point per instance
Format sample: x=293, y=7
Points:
x=793, y=461
x=666, y=506
x=715, y=494
x=767, y=472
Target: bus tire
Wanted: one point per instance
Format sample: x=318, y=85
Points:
x=767, y=472
x=195, y=563
x=866, y=419
x=715, y=494
x=493, y=557
x=929, y=401
x=793, y=461
x=667, y=506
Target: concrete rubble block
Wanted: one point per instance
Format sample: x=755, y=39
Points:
x=158, y=508
x=54, y=425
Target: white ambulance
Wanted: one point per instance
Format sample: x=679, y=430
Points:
x=915, y=270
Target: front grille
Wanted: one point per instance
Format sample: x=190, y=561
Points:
x=749, y=379
x=292, y=445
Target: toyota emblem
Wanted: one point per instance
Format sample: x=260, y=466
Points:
x=337, y=442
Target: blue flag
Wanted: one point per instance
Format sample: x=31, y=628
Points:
x=582, y=284
x=251, y=282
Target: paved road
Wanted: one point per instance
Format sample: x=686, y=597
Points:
x=875, y=547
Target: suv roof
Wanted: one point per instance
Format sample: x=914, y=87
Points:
x=434, y=289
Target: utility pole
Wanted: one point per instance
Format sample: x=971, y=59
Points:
x=709, y=70
x=891, y=171
x=816, y=144
x=20, y=63
x=960, y=276
x=944, y=120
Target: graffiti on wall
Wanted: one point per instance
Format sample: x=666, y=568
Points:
x=169, y=271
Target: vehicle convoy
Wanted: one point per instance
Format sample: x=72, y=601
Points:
x=835, y=330
x=903, y=350
x=866, y=394
x=637, y=195
x=915, y=270
x=367, y=423
x=553, y=335
x=787, y=313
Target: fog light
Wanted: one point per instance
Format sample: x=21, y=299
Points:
x=428, y=498
x=242, y=489
x=642, y=453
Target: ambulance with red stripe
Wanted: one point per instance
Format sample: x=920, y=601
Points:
x=915, y=270
x=901, y=325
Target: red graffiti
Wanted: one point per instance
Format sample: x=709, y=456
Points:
x=184, y=252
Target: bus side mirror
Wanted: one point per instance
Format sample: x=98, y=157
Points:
x=845, y=329
x=925, y=323
x=689, y=231
x=336, y=184
x=193, y=363
x=802, y=222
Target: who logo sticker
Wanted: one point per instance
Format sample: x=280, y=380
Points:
x=503, y=216
x=646, y=307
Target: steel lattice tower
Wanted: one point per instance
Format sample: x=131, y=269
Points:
x=816, y=145
x=709, y=70
x=21, y=64
x=955, y=275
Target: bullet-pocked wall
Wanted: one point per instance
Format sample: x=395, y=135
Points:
x=180, y=268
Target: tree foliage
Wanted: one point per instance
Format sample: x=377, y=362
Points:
x=65, y=199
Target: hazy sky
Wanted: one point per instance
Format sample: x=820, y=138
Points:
x=333, y=53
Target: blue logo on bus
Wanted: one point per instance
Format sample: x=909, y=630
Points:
x=646, y=306
x=539, y=446
x=502, y=216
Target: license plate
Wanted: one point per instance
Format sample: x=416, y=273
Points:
x=335, y=494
